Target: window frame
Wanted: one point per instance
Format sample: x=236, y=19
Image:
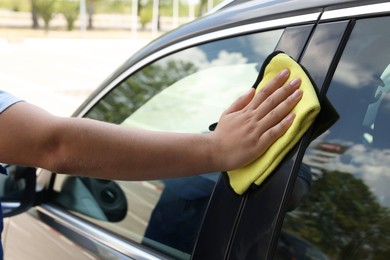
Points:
x=329, y=16
x=328, y=73
x=230, y=245
x=70, y=223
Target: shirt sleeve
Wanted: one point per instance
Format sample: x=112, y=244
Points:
x=6, y=100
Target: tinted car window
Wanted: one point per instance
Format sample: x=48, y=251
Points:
x=183, y=92
x=347, y=215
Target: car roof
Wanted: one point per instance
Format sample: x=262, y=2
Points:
x=239, y=12
x=233, y=14
x=279, y=4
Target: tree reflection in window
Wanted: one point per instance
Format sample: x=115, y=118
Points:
x=343, y=218
x=141, y=86
x=138, y=89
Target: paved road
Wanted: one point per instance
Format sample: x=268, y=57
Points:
x=58, y=74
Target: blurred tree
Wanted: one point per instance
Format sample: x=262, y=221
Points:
x=15, y=6
x=34, y=15
x=46, y=10
x=202, y=7
x=142, y=4
x=145, y=17
x=91, y=6
x=145, y=11
x=70, y=10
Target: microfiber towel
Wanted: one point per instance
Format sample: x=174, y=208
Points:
x=306, y=111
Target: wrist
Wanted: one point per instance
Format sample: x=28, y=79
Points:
x=215, y=157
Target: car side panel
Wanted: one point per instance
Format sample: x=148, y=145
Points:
x=217, y=244
x=258, y=229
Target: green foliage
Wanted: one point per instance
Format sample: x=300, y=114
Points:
x=202, y=7
x=46, y=9
x=343, y=218
x=145, y=17
x=70, y=10
x=16, y=5
x=107, y=6
x=114, y=6
x=138, y=89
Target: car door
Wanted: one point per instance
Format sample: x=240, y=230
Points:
x=261, y=210
x=346, y=215
x=330, y=224
x=183, y=90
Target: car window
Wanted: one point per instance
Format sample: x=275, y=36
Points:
x=347, y=214
x=183, y=92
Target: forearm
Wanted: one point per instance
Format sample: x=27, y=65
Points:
x=92, y=148
x=32, y=137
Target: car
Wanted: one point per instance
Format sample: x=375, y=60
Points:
x=328, y=199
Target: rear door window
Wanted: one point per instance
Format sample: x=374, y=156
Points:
x=347, y=214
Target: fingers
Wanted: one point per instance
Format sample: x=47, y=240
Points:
x=270, y=88
x=274, y=113
x=272, y=134
x=267, y=108
x=241, y=102
x=276, y=123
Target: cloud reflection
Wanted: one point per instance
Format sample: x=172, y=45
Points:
x=371, y=165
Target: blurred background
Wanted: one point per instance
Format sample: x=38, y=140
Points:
x=54, y=53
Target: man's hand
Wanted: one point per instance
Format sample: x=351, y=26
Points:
x=254, y=122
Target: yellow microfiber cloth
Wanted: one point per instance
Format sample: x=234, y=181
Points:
x=306, y=111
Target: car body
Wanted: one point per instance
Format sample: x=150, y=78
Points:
x=182, y=82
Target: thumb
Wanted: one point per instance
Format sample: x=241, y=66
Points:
x=241, y=102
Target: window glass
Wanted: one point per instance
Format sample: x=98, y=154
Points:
x=347, y=214
x=184, y=92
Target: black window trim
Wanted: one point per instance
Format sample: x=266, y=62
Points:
x=227, y=249
x=296, y=157
x=354, y=13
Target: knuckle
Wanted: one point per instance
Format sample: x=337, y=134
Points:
x=271, y=100
x=265, y=91
x=273, y=114
x=273, y=133
x=250, y=125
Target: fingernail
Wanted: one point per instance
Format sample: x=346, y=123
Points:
x=295, y=82
x=290, y=117
x=297, y=94
x=284, y=73
x=249, y=92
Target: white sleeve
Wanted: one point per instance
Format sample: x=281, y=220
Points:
x=6, y=100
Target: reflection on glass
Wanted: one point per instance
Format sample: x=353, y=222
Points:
x=347, y=215
x=184, y=92
x=178, y=214
x=326, y=37
x=214, y=73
